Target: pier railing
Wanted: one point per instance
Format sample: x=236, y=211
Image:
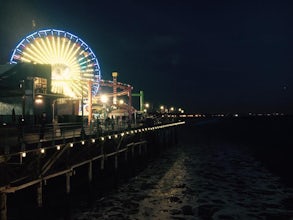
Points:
x=14, y=136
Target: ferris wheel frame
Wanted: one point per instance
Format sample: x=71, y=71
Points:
x=95, y=76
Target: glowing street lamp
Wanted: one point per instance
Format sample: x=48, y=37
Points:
x=39, y=100
x=146, y=105
x=104, y=99
x=121, y=102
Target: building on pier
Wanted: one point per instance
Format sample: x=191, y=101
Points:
x=25, y=90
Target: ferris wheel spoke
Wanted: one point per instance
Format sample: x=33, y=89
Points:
x=58, y=47
x=50, y=48
x=66, y=52
x=73, y=55
x=39, y=53
x=69, y=52
x=62, y=48
x=31, y=57
x=45, y=50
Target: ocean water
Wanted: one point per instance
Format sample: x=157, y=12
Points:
x=222, y=169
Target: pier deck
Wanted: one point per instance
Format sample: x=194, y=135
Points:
x=29, y=161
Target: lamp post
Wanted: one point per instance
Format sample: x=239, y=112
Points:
x=89, y=101
x=114, y=75
x=22, y=86
x=82, y=132
x=104, y=100
x=121, y=102
x=147, y=106
x=54, y=114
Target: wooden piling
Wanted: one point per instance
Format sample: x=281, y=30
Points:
x=90, y=172
x=67, y=183
x=103, y=163
x=125, y=155
x=103, y=157
x=40, y=194
x=116, y=162
x=139, y=149
x=132, y=151
x=3, y=206
x=145, y=148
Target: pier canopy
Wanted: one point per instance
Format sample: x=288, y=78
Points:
x=72, y=60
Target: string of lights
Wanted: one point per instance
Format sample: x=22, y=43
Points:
x=92, y=140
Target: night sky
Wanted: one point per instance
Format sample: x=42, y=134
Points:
x=203, y=56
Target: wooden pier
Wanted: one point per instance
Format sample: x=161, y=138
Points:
x=38, y=162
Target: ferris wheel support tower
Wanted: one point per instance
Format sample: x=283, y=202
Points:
x=114, y=75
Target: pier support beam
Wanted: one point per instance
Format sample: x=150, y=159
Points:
x=139, y=150
x=3, y=206
x=116, y=162
x=90, y=172
x=126, y=155
x=132, y=151
x=103, y=158
x=145, y=148
x=103, y=162
x=40, y=194
x=68, y=183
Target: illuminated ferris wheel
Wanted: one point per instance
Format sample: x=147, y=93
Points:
x=72, y=61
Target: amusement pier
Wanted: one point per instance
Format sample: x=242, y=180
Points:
x=60, y=120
